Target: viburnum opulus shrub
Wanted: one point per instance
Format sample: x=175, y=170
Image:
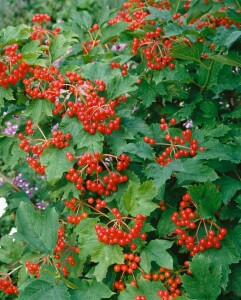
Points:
x=120, y=153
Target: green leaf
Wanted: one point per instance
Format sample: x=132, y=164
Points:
x=164, y=226
x=148, y=92
x=120, y=85
x=5, y=94
x=41, y=290
x=39, y=230
x=226, y=256
x=10, y=250
x=90, y=143
x=235, y=279
x=12, y=34
x=39, y=109
x=232, y=59
x=184, y=51
x=59, y=46
x=207, y=198
x=56, y=162
x=232, y=38
x=145, y=288
x=198, y=9
x=156, y=252
x=140, y=149
x=111, y=32
x=138, y=198
x=74, y=127
x=135, y=125
x=108, y=255
x=90, y=290
x=228, y=188
x=204, y=283
x=83, y=18
x=233, y=15
x=209, y=109
x=102, y=254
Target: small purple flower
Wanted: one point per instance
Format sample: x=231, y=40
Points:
x=188, y=124
x=42, y=204
x=10, y=128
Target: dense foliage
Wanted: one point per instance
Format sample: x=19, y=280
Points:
x=120, y=154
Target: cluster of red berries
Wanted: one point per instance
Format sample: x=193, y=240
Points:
x=33, y=269
x=11, y=69
x=179, y=146
x=124, y=67
x=7, y=287
x=134, y=13
x=44, y=83
x=214, y=21
x=170, y=280
x=74, y=205
x=130, y=265
x=187, y=219
x=41, y=31
x=63, y=248
x=28, y=145
x=91, y=107
x=96, y=165
x=155, y=48
x=116, y=235
x=162, y=205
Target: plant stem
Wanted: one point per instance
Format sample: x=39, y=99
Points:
x=6, y=179
x=208, y=77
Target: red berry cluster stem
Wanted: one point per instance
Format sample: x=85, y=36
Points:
x=75, y=205
x=186, y=221
x=92, y=175
x=94, y=40
x=33, y=269
x=11, y=67
x=176, y=146
x=7, y=287
x=155, y=48
x=35, y=147
x=62, y=252
x=121, y=233
x=131, y=264
x=44, y=83
x=40, y=31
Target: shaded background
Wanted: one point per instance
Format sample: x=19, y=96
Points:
x=15, y=12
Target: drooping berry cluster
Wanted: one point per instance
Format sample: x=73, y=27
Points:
x=121, y=233
x=62, y=253
x=11, y=67
x=35, y=147
x=130, y=265
x=188, y=220
x=91, y=107
x=41, y=32
x=155, y=48
x=92, y=175
x=7, y=287
x=177, y=146
x=94, y=40
x=74, y=205
x=33, y=269
x=44, y=83
x=134, y=13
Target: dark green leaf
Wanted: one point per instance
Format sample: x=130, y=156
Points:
x=138, y=198
x=204, y=283
x=156, y=252
x=207, y=198
x=39, y=230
